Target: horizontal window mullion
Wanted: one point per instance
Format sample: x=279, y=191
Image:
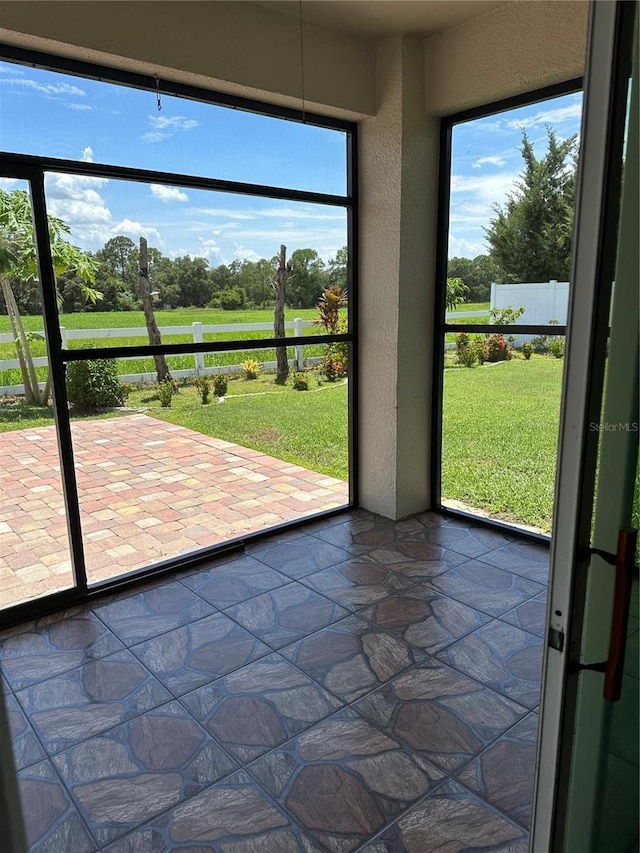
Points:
x=523, y=329
x=31, y=163
x=141, y=350
x=146, y=82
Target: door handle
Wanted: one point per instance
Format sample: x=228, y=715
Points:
x=625, y=557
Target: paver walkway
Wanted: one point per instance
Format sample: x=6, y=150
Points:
x=149, y=491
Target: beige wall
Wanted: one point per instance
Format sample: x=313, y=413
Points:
x=397, y=88
x=526, y=45
x=236, y=47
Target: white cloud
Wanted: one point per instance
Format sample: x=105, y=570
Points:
x=244, y=254
x=77, y=201
x=7, y=183
x=162, y=127
x=462, y=247
x=487, y=188
x=492, y=160
x=43, y=88
x=74, y=106
x=210, y=250
x=86, y=155
x=167, y=194
x=135, y=230
x=557, y=115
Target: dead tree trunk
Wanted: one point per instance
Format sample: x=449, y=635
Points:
x=162, y=368
x=278, y=316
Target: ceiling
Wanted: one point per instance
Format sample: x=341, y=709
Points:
x=373, y=19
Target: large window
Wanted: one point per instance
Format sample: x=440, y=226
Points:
x=509, y=178
x=162, y=242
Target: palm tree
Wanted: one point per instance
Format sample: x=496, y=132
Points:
x=19, y=261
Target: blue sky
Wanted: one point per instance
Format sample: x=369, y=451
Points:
x=58, y=115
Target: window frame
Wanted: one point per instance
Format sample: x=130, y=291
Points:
x=441, y=326
x=33, y=169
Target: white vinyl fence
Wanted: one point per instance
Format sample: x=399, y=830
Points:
x=196, y=330
x=542, y=301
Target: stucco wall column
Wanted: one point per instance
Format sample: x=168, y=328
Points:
x=398, y=204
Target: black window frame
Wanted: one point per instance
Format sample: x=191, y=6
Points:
x=441, y=327
x=33, y=169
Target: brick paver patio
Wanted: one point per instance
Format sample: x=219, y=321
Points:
x=149, y=490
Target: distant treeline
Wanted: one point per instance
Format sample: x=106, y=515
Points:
x=188, y=282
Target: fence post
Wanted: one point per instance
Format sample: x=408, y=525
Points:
x=63, y=337
x=297, y=331
x=199, y=356
x=553, y=286
x=492, y=298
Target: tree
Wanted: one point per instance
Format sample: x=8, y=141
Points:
x=337, y=271
x=155, y=338
x=19, y=261
x=306, y=280
x=530, y=236
x=477, y=274
x=195, y=283
x=120, y=255
x=456, y=292
x=257, y=281
x=280, y=291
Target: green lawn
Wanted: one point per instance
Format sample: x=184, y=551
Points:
x=500, y=433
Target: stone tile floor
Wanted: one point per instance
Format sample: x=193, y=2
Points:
x=351, y=685
x=148, y=490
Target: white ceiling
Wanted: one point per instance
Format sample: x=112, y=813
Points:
x=373, y=19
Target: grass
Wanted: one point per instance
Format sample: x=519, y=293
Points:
x=177, y=317
x=500, y=434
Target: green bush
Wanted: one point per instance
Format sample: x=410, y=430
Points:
x=251, y=368
x=527, y=350
x=219, y=384
x=165, y=393
x=94, y=384
x=556, y=347
x=203, y=387
x=300, y=382
x=466, y=350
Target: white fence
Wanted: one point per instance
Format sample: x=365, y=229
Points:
x=197, y=332
x=542, y=301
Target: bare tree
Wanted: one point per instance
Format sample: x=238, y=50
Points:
x=280, y=288
x=162, y=368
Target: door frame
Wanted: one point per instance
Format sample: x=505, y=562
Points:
x=593, y=268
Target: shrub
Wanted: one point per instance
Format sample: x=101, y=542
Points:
x=165, y=393
x=94, y=384
x=332, y=367
x=251, y=368
x=300, y=381
x=466, y=351
x=203, y=386
x=496, y=348
x=527, y=349
x=556, y=347
x=540, y=344
x=219, y=385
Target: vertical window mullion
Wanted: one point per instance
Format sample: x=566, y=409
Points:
x=58, y=384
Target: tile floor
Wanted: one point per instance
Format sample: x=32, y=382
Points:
x=353, y=685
